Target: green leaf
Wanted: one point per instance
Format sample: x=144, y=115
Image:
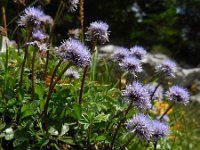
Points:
x=56, y=146
x=2, y=125
x=100, y=138
x=29, y=109
x=9, y=94
x=27, y=113
x=42, y=142
x=77, y=111
x=67, y=140
x=65, y=129
x=39, y=90
x=53, y=131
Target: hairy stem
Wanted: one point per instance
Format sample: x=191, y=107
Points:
x=49, y=96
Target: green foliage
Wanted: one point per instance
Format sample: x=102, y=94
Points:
x=60, y=121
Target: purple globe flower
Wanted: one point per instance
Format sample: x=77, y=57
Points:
x=138, y=52
x=131, y=64
x=38, y=35
x=167, y=68
x=98, y=31
x=141, y=125
x=120, y=53
x=34, y=17
x=74, y=51
x=39, y=40
x=71, y=73
x=178, y=94
x=160, y=130
x=158, y=94
x=138, y=94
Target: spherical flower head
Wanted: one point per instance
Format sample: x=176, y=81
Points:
x=155, y=93
x=160, y=130
x=131, y=64
x=137, y=93
x=141, y=125
x=74, y=51
x=178, y=94
x=98, y=32
x=34, y=17
x=38, y=35
x=138, y=52
x=167, y=68
x=73, y=74
x=72, y=5
x=120, y=53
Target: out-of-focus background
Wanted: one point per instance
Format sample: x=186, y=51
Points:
x=166, y=28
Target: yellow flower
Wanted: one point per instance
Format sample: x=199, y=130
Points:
x=161, y=107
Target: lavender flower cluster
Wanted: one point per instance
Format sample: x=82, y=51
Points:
x=147, y=129
x=138, y=95
x=130, y=60
x=143, y=96
x=34, y=19
x=98, y=32
x=74, y=51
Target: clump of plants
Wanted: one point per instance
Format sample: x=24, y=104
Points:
x=64, y=97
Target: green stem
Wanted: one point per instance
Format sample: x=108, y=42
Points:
x=6, y=65
x=23, y=65
x=49, y=96
x=120, y=123
x=94, y=63
x=24, y=60
x=82, y=85
x=33, y=74
x=127, y=142
x=155, y=145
